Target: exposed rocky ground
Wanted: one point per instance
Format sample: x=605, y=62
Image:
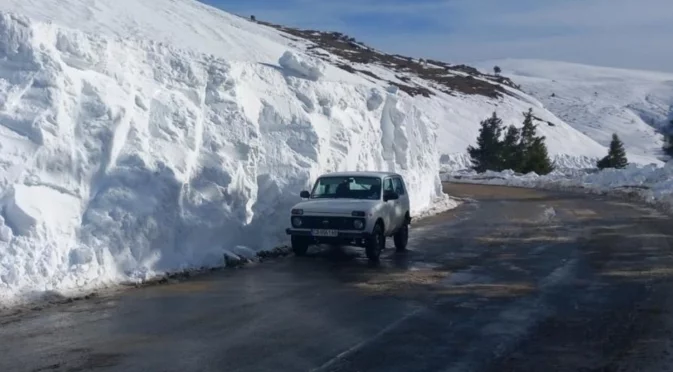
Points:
x=356, y=56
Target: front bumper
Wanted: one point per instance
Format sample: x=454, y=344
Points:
x=342, y=234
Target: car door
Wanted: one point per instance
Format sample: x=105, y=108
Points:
x=402, y=204
x=389, y=217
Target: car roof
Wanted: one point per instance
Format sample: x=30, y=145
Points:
x=361, y=174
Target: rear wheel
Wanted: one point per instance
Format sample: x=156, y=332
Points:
x=401, y=238
x=375, y=243
x=299, y=245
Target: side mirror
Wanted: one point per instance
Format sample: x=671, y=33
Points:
x=305, y=194
x=390, y=195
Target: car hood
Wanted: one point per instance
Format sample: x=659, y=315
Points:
x=336, y=206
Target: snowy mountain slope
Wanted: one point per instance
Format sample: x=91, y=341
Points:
x=599, y=101
x=457, y=98
x=161, y=134
x=190, y=25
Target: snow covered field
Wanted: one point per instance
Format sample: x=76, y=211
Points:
x=599, y=101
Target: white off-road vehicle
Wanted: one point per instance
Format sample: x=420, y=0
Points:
x=355, y=208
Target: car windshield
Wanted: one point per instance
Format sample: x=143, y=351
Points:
x=347, y=188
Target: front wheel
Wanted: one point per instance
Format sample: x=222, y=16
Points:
x=401, y=238
x=299, y=245
x=375, y=243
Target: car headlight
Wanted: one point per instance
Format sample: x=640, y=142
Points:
x=296, y=221
x=358, y=224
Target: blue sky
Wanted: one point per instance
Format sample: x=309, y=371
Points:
x=619, y=33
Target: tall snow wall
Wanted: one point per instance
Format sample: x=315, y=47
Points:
x=121, y=159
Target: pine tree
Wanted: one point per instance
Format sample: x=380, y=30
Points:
x=668, y=139
x=512, y=154
x=537, y=158
x=534, y=155
x=521, y=150
x=528, y=130
x=487, y=155
x=616, y=157
x=603, y=163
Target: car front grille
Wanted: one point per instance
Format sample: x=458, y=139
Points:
x=337, y=223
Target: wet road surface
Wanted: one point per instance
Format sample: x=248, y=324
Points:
x=513, y=280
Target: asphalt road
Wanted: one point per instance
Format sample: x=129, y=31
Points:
x=515, y=280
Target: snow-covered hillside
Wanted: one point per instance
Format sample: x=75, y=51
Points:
x=599, y=101
x=139, y=137
x=190, y=25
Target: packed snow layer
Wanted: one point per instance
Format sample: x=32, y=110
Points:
x=306, y=67
x=121, y=159
x=188, y=25
x=184, y=24
x=650, y=183
x=600, y=101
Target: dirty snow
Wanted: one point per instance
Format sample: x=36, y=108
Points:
x=548, y=215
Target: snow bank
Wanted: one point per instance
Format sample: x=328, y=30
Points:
x=122, y=159
x=305, y=66
x=650, y=183
x=456, y=162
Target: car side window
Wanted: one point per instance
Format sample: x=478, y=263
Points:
x=388, y=185
x=399, y=186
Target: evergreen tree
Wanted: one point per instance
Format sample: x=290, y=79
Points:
x=668, y=139
x=487, y=155
x=512, y=154
x=616, y=157
x=528, y=130
x=537, y=158
x=603, y=163
x=520, y=150
x=533, y=151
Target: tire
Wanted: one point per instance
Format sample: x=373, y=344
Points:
x=299, y=246
x=375, y=243
x=401, y=238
